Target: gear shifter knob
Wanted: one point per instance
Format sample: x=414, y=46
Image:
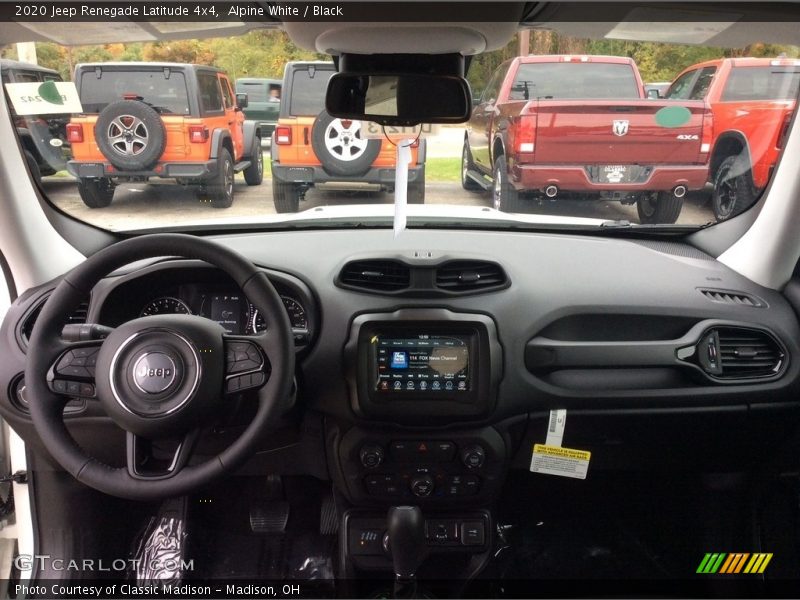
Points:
x=406, y=539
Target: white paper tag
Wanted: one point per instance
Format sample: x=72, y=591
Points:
x=44, y=98
x=565, y=462
x=555, y=427
x=401, y=186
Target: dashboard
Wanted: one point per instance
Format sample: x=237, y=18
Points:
x=432, y=363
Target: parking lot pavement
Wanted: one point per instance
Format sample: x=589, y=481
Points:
x=140, y=206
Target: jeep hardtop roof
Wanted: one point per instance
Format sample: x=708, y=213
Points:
x=132, y=65
x=7, y=63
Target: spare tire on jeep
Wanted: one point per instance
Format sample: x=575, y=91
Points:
x=131, y=135
x=340, y=148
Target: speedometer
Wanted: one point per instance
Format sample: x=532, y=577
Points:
x=295, y=311
x=165, y=306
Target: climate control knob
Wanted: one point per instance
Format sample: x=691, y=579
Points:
x=371, y=456
x=473, y=457
x=422, y=486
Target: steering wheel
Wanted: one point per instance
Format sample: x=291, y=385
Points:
x=159, y=378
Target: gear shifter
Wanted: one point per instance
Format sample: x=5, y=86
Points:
x=406, y=527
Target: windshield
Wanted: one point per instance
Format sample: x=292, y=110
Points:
x=214, y=122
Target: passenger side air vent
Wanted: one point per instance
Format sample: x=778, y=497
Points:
x=740, y=353
x=376, y=275
x=728, y=297
x=465, y=276
x=76, y=318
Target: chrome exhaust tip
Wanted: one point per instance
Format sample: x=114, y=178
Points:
x=551, y=191
x=679, y=191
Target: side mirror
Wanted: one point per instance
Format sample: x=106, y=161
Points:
x=241, y=100
x=399, y=99
x=653, y=94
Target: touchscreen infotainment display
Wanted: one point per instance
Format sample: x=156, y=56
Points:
x=422, y=363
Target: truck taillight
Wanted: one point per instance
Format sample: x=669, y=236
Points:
x=708, y=132
x=787, y=123
x=283, y=135
x=525, y=135
x=74, y=133
x=198, y=134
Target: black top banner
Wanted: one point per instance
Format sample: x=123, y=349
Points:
x=345, y=11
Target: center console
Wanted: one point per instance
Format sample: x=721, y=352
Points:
x=417, y=377
x=422, y=382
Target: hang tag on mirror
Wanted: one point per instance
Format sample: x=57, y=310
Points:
x=401, y=186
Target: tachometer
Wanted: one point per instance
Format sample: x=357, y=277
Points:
x=295, y=310
x=165, y=306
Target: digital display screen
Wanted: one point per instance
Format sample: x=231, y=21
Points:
x=422, y=363
x=227, y=311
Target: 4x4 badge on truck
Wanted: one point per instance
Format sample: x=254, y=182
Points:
x=620, y=128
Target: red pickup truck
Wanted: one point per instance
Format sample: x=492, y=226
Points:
x=752, y=101
x=581, y=127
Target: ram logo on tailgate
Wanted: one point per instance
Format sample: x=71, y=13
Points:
x=620, y=128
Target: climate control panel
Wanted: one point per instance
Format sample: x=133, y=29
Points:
x=461, y=467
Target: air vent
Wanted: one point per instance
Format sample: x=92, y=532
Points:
x=740, y=353
x=727, y=297
x=464, y=276
x=376, y=275
x=76, y=318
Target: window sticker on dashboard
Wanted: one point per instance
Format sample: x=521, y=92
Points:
x=555, y=460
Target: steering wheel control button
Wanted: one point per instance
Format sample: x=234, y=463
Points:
x=371, y=456
x=78, y=362
x=242, y=357
x=154, y=372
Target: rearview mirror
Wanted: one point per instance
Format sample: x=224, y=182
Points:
x=241, y=100
x=399, y=99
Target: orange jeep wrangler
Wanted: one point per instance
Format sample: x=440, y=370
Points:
x=312, y=149
x=144, y=120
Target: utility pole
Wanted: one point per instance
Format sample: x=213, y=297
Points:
x=26, y=52
x=524, y=42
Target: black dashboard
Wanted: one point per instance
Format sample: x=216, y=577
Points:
x=417, y=343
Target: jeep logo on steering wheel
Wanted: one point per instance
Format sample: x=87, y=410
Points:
x=154, y=372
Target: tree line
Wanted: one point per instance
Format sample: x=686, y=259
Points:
x=263, y=53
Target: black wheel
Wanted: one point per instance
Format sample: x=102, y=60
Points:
x=33, y=167
x=734, y=190
x=658, y=208
x=220, y=187
x=339, y=146
x=286, y=196
x=416, y=189
x=131, y=135
x=504, y=196
x=254, y=174
x=468, y=183
x=96, y=193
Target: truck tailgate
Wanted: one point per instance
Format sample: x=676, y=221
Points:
x=598, y=132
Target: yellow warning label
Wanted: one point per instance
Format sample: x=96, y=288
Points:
x=555, y=460
x=562, y=452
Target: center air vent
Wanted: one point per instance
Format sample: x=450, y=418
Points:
x=376, y=275
x=740, y=353
x=464, y=276
x=78, y=317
